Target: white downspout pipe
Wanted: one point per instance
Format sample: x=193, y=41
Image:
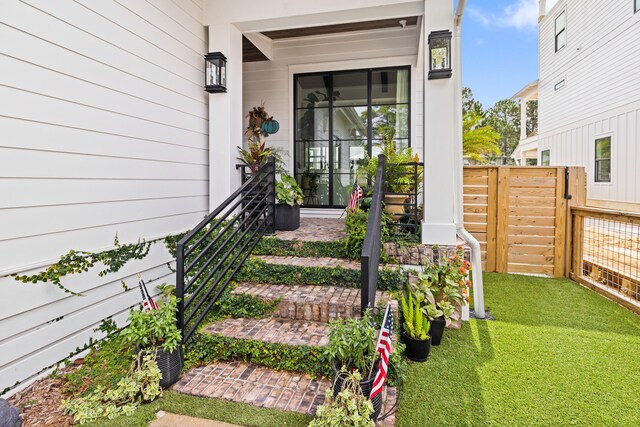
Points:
x=476, y=260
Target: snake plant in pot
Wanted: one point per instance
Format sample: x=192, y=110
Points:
x=156, y=330
x=415, y=327
x=289, y=197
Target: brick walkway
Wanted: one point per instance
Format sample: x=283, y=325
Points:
x=310, y=262
x=282, y=331
x=317, y=303
x=263, y=387
x=316, y=230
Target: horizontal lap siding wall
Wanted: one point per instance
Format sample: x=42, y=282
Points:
x=601, y=96
x=104, y=129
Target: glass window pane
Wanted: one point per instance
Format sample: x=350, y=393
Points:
x=390, y=121
x=350, y=122
x=312, y=124
x=350, y=88
x=342, y=187
x=312, y=156
x=390, y=86
x=312, y=91
x=561, y=40
x=637, y=5
x=560, y=22
x=315, y=187
x=399, y=144
x=545, y=158
x=603, y=171
x=347, y=154
x=603, y=148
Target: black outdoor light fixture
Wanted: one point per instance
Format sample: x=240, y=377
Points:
x=216, y=72
x=440, y=55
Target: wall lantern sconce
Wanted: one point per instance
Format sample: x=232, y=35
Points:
x=215, y=72
x=440, y=55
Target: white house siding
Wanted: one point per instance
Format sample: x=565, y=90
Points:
x=104, y=128
x=601, y=96
x=271, y=82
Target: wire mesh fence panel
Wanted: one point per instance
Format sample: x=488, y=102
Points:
x=607, y=251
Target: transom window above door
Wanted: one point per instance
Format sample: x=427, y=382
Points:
x=339, y=117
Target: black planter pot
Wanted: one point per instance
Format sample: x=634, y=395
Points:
x=365, y=385
x=417, y=350
x=287, y=217
x=170, y=364
x=437, y=330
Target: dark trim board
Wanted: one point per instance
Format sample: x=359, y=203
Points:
x=341, y=28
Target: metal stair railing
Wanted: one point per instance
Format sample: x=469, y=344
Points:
x=209, y=256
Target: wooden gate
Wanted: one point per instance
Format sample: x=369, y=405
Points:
x=520, y=215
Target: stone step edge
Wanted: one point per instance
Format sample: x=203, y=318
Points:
x=346, y=263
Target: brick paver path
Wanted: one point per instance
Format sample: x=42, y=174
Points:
x=316, y=230
x=317, y=303
x=310, y=262
x=263, y=387
x=282, y=331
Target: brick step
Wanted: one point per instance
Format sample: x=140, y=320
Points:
x=312, y=303
x=316, y=230
x=272, y=330
x=264, y=387
x=310, y=262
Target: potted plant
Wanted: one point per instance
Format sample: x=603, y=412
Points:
x=256, y=155
x=352, y=347
x=400, y=179
x=415, y=328
x=156, y=330
x=437, y=311
x=350, y=407
x=289, y=197
x=449, y=283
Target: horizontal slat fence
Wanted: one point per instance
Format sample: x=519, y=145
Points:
x=520, y=216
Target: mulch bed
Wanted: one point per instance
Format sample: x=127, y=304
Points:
x=39, y=403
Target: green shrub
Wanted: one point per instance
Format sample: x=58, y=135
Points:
x=277, y=247
x=356, y=223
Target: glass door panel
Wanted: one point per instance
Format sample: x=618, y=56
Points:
x=312, y=161
x=312, y=91
x=390, y=86
x=312, y=124
x=350, y=88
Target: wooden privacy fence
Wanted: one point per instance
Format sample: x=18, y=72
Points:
x=520, y=215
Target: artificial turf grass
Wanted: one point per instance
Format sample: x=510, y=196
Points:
x=557, y=354
x=214, y=409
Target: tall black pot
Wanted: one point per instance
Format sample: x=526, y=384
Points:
x=287, y=217
x=417, y=350
x=170, y=364
x=437, y=330
x=365, y=385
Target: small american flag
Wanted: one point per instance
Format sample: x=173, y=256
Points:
x=356, y=196
x=384, y=348
x=148, y=303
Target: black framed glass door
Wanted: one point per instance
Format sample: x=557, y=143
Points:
x=340, y=116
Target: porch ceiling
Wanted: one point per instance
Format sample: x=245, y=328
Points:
x=340, y=28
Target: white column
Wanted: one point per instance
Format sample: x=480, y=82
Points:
x=523, y=118
x=225, y=116
x=440, y=118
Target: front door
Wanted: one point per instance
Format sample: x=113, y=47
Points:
x=333, y=133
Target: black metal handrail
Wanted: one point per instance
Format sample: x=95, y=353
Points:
x=209, y=256
x=370, y=256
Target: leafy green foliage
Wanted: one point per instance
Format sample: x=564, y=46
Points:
x=400, y=179
x=241, y=306
x=348, y=408
x=504, y=118
x=277, y=247
x=257, y=154
x=75, y=262
x=205, y=348
x=356, y=223
x=352, y=342
x=416, y=324
x=288, y=192
x=258, y=271
x=479, y=142
x=141, y=384
x=470, y=104
x=155, y=328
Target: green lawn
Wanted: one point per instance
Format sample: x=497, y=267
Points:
x=557, y=354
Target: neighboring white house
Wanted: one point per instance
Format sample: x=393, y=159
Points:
x=589, y=95
x=107, y=130
x=526, y=153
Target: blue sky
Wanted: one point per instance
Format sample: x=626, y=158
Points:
x=500, y=47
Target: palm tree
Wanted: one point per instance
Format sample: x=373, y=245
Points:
x=478, y=142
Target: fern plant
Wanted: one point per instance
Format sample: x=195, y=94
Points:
x=416, y=324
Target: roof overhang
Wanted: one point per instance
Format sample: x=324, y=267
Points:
x=529, y=92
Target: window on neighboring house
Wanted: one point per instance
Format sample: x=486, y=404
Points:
x=561, y=31
x=545, y=158
x=559, y=85
x=532, y=162
x=637, y=6
x=603, y=159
